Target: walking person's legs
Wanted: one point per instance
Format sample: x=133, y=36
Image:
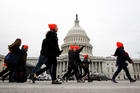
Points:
x=53, y=62
x=4, y=71
x=42, y=60
x=116, y=73
x=128, y=74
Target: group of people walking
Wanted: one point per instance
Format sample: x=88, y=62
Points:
x=15, y=61
x=75, y=65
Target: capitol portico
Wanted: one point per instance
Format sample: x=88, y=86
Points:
x=106, y=65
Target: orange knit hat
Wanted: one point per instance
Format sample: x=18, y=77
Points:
x=52, y=26
x=119, y=44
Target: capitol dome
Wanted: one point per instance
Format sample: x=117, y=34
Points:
x=77, y=36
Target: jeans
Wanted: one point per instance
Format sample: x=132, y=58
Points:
x=42, y=60
x=52, y=64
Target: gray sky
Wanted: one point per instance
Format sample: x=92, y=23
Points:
x=105, y=22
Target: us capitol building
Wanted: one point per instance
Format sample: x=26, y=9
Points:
x=106, y=65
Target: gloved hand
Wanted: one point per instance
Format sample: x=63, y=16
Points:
x=131, y=62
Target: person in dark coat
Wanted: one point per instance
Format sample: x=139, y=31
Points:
x=23, y=76
x=4, y=73
x=71, y=65
x=43, y=59
x=14, y=60
x=52, y=51
x=85, y=66
x=77, y=62
x=122, y=57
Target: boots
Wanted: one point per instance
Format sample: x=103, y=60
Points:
x=114, y=81
x=132, y=81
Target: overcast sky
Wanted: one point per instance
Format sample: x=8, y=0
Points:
x=105, y=22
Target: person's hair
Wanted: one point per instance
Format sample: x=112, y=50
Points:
x=16, y=42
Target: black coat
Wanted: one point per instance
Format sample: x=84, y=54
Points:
x=122, y=57
x=71, y=57
x=77, y=55
x=52, y=48
x=16, y=55
x=16, y=50
x=86, y=63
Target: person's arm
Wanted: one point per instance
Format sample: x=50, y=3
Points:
x=79, y=50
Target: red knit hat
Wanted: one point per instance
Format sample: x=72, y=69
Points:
x=25, y=46
x=71, y=47
x=52, y=26
x=85, y=56
x=5, y=64
x=119, y=44
x=76, y=47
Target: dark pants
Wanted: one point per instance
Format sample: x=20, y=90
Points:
x=4, y=71
x=86, y=72
x=52, y=63
x=13, y=76
x=10, y=71
x=120, y=67
x=22, y=73
x=71, y=71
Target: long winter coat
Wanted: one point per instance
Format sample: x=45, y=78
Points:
x=52, y=48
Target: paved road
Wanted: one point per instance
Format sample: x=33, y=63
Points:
x=71, y=87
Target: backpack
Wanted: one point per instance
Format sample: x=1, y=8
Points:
x=7, y=57
x=11, y=58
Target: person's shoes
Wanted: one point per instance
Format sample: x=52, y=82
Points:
x=114, y=81
x=80, y=81
x=11, y=81
x=62, y=79
x=3, y=79
x=132, y=80
x=90, y=80
x=31, y=77
x=56, y=82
